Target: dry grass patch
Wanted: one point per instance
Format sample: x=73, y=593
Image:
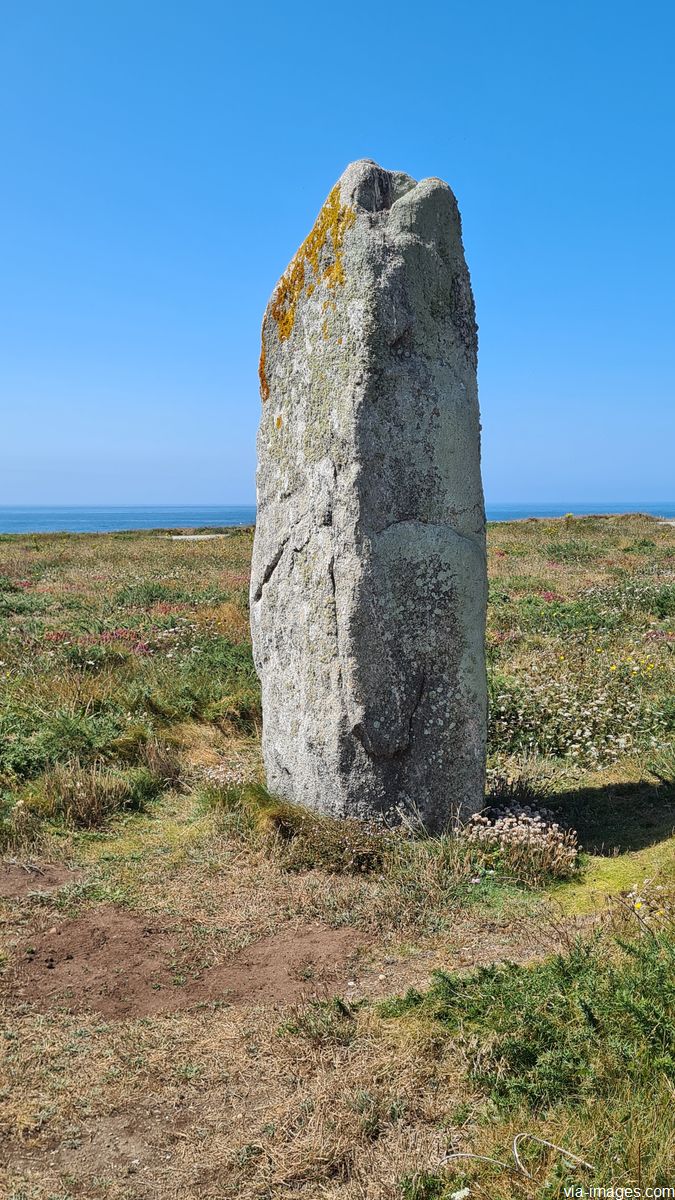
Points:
x=224, y=1104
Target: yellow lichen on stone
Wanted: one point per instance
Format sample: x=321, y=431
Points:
x=264, y=385
x=331, y=225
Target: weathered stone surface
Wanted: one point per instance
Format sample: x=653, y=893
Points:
x=368, y=591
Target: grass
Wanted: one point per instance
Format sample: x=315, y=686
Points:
x=576, y=1048
x=129, y=748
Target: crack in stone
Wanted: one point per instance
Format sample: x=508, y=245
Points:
x=273, y=564
x=270, y=569
x=416, y=704
x=340, y=681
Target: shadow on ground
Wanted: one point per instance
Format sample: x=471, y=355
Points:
x=619, y=817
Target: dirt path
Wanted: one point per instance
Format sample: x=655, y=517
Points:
x=21, y=879
x=124, y=964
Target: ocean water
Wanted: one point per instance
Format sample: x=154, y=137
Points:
x=108, y=519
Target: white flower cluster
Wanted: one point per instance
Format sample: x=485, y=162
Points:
x=237, y=770
x=495, y=811
x=523, y=842
x=568, y=718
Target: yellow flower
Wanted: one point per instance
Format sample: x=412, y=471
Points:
x=638, y=904
x=613, y=667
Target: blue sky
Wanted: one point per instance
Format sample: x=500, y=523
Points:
x=162, y=161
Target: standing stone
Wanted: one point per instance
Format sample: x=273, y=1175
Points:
x=368, y=591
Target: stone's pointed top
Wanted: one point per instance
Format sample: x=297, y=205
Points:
x=430, y=210
x=366, y=185
x=430, y=202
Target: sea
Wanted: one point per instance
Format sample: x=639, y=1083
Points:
x=109, y=518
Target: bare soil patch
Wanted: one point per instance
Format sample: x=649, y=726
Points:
x=125, y=964
x=137, y=1147
x=18, y=880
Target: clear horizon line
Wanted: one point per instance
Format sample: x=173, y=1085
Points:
x=252, y=504
x=248, y=504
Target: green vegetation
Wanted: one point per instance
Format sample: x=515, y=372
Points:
x=129, y=749
x=577, y=1049
x=101, y=636
x=93, y=673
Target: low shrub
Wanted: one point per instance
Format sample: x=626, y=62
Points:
x=19, y=827
x=148, y=593
x=17, y=603
x=216, y=682
x=538, y=614
x=572, y=550
x=87, y=796
x=304, y=839
x=143, y=595
x=663, y=602
x=566, y=1029
x=161, y=760
x=322, y=1023
x=579, y=1049
x=640, y=594
x=95, y=658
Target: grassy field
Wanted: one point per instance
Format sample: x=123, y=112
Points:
x=208, y=994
